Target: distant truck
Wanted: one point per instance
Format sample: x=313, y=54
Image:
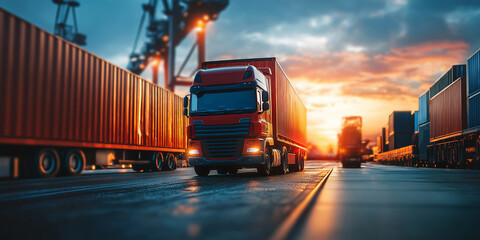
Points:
x=63, y=108
x=350, y=142
x=245, y=113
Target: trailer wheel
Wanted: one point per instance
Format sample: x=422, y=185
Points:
x=302, y=161
x=46, y=163
x=171, y=162
x=266, y=168
x=283, y=168
x=158, y=161
x=201, y=171
x=74, y=162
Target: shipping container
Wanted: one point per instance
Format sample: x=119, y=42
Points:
x=400, y=122
x=423, y=140
x=415, y=121
x=451, y=75
x=473, y=73
x=399, y=140
x=55, y=94
x=285, y=100
x=448, y=111
x=474, y=111
x=423, y=108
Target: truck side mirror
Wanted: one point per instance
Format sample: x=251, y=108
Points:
x=265, y=96
x=265, y=106
x=185, y=101
x=185, y=112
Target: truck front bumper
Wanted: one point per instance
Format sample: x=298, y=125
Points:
x=243, y=161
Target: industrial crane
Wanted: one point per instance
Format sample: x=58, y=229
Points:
x=62, y=29
x=164, y=34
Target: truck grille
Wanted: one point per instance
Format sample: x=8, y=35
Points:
x=222, y=148
x=215, y=131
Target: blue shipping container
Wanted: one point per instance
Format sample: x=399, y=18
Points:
x=415, y=121
x=400, y=122
x=473, y=73
x=399, y=140
x=423, y=140
x=474, y=111
x=423, y=108
x=449, y=77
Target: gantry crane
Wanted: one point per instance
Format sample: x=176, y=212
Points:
x=62, y=29
x=164, y=34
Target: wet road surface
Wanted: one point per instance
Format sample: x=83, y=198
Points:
x=159, y=205
x=389, y=202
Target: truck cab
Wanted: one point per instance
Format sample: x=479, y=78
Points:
x=229, y=119
x=350, y=141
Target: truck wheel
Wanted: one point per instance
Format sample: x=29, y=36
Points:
x=201, y=171
x=171, y=162
x=158, y=161
x=74, y=162
x=46, y=163
x=302, y=162
x=222, y=171
x=266, y=168
x=233, y=171
x=283, y=168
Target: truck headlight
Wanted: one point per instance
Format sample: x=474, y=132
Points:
x=253, y=150
x=193, y=152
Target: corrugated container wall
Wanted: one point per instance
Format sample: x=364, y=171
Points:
x=423, y=140
x=400, y=122
x=380, y=143
x=399, y=140
x=448, y=111
x=53, y=92
x=415, y=121
x=473, y=73
x=423, y=108
x=474, y=111
x=450, y=76
x=288, y=111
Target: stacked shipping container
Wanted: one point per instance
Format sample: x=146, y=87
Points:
x=473, y=79
x=400, y=125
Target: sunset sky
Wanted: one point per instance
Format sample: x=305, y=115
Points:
x=364, y=58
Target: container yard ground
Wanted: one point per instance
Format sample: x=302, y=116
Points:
x=391, y=202
x=154, y=205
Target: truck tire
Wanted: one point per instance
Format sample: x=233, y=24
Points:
x=302, y=162
x=171, y=162
x=158, y=162
x=283, y=168
x=74, y=162
x=201, y=171
x=45, y=163
x=266, y=168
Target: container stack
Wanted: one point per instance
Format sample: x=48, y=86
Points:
x=473, y=86
x=400, y=126
x=423, y=125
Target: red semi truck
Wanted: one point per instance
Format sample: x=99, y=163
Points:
x=245, y=113
x=350, y=141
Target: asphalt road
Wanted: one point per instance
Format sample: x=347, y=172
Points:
x=373, y=202
x=158, y=205
x=389, y=202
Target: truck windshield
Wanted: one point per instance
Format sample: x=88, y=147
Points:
x=212, y=103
